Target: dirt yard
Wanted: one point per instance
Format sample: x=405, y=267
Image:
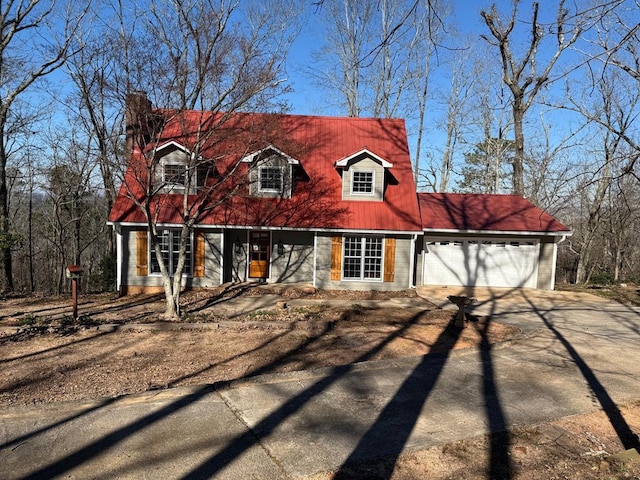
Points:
x=120, y=346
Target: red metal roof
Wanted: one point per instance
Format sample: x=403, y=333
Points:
x=317, y=143
x=484, y=212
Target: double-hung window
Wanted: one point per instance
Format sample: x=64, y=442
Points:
x=169, y=240
x=362, y=258
x=362, y=183
x=271, y=179
x=174, y=175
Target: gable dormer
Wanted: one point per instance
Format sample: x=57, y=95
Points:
x=176, y=165
x=271, y=173
x=363, y=176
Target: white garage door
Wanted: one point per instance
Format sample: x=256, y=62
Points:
x=481, y=262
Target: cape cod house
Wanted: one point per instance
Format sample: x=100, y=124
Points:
x=320, y=200
x=325, y=201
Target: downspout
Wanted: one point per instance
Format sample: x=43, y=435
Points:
x=412, y=261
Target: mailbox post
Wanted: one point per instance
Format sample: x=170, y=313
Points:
x=74, y=272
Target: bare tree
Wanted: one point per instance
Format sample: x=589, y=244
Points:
x=617, y=46
x=548, y=168
x=527, y=74
x=428, y=33
x=27, y=53
x=96, y=106
x=623, y=227
x=458, y=99
x=612, y=110
x=349, y=24
x=218, y=58
x=378, y=54
x=71, y=201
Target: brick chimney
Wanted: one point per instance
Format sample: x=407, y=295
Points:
x=137, y=117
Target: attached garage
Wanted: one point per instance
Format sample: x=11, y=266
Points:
x=481, y=261
x=487, y=241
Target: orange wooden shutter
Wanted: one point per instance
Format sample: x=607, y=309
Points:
x=142, y=265
x=198, y=261
x=389, y=259
x=336, y=258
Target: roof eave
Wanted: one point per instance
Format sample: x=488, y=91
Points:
x=343, y=162
x=563, y=233
x=206, y=226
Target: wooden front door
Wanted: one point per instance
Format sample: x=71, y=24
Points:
x=259, y=254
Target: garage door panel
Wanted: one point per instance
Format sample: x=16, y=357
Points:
x=444, y=259
x=481, y=262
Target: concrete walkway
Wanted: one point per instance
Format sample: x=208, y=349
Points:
x=578, y=355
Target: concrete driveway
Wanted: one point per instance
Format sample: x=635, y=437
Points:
x=577, y=354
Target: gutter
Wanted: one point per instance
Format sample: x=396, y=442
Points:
x=522, y=233
x=202, y=226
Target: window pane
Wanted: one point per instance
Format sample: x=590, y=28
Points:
x=352, y=246
x=372, y=267
x=175, y=174
x=362, y=182
x=351, y=268
x=271, y=179
x=175, y=252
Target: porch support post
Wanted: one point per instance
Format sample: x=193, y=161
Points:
x=315, y=257
x=118, y=230
x=222, y=246
x=412, y=261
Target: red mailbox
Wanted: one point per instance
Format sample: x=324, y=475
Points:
x=74, y=271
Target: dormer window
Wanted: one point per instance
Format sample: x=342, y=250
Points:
x=362, y=182
x=271, y=173
x=271, y=179
x=178, y=166
x=364, y=176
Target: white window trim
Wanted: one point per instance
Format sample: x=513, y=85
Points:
x=373, y=183
x=185, y=274
x=271, y=190
x=362, y=257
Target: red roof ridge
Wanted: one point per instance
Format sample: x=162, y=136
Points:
x=283, y=114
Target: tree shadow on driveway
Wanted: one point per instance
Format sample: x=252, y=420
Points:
x=624, y=432
x=236, y=446
x=389, y=434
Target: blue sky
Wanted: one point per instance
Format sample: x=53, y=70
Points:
x=304, y=100
x=467, y=22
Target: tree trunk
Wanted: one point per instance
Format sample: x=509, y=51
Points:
x=172, y=310
x=5, y=237
x=518, y=158
x=30, y=227
x=618, y=263
x=581, y=270
x=185, y=237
